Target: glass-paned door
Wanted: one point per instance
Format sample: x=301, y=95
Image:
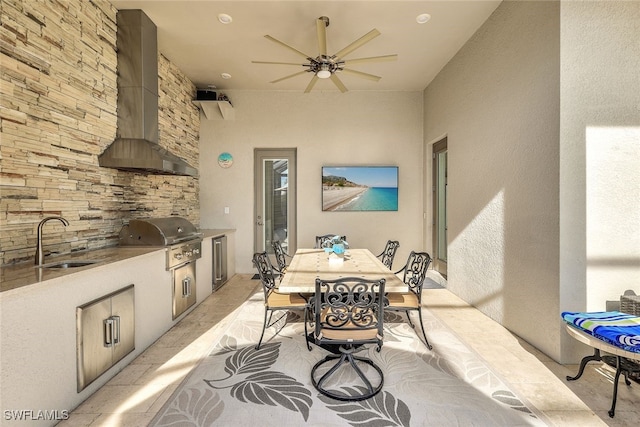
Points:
x=440, y=206
x=275, y=186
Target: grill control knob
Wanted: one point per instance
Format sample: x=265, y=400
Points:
x=187, y=254
x=178, y=256
x=196, y=251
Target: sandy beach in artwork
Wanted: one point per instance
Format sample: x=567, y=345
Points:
x=334, y=197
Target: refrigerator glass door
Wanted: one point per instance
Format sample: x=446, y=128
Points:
x=219, y=262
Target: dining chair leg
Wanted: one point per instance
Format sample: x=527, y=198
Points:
x=426, y=341
x=264, y=325
x=334, y=368
x=409, y=318
x=306, y=334
x=347, y=357
x=352, y=361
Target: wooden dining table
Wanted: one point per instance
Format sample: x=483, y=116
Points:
x=309, y=264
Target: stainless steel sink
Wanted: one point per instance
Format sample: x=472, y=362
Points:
x=70, y=263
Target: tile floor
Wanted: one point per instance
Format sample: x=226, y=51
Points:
x=136, y=394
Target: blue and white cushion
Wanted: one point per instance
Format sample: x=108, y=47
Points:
x=619, y=329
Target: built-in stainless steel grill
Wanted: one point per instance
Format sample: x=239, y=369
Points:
x=180, y=236
x=184, y=245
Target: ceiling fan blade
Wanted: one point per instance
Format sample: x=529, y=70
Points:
x=277, y=63
x=289, y=76
x=382, y=58
x=338, y=83
x=358, y=43
x=287, y=46
x=311, y=84
x=361, y=74
x=321, y=28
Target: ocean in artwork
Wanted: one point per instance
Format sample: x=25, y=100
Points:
x=374, y=199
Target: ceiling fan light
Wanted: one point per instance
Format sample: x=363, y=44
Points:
x=323, y=74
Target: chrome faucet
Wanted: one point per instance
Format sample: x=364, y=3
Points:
x=39, y=253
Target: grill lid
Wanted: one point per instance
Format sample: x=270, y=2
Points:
x=158, y=232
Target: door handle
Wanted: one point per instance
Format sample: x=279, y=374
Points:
x=111, y=331
x=218, y=262
x=108, y=332
x=116, y=329
x=186, y=287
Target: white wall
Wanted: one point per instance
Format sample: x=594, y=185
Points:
x=327, y=128
x=498, y=103
x=599, y=153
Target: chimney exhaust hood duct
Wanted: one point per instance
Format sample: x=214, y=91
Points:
x=136, y=146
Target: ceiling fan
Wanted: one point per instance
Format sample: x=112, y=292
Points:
x=326, y=66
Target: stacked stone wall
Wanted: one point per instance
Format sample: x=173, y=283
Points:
x=58, y=97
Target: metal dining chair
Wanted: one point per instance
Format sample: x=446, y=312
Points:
x=348, y=313
x=273, y=300
x=415, y=273
x=281, y=257
x=389, y=253
x=322, y=240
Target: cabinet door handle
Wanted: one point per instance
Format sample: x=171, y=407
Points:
x=186, y=287
x=116, y=329
x=108, y=332
x=218, y=264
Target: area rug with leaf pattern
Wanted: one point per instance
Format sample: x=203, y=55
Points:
x=237, y=385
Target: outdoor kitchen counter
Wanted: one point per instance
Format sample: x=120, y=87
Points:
x=19, y=275
x=39, y=329
x=211, y=233
x=26, y=273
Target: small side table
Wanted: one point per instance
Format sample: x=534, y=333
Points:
x=623, y=365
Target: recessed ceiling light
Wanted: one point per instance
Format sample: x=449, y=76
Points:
x=224, y=18
x=423, y=18
x=225, y=75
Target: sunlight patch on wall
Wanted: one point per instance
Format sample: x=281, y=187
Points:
x=476, y=258
x=613, y=212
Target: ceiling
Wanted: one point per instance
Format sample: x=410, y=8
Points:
x=192, y=38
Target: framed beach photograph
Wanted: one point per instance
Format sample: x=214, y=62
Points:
x=359, y=188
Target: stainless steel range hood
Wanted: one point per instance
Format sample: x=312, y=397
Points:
x=136, y=146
